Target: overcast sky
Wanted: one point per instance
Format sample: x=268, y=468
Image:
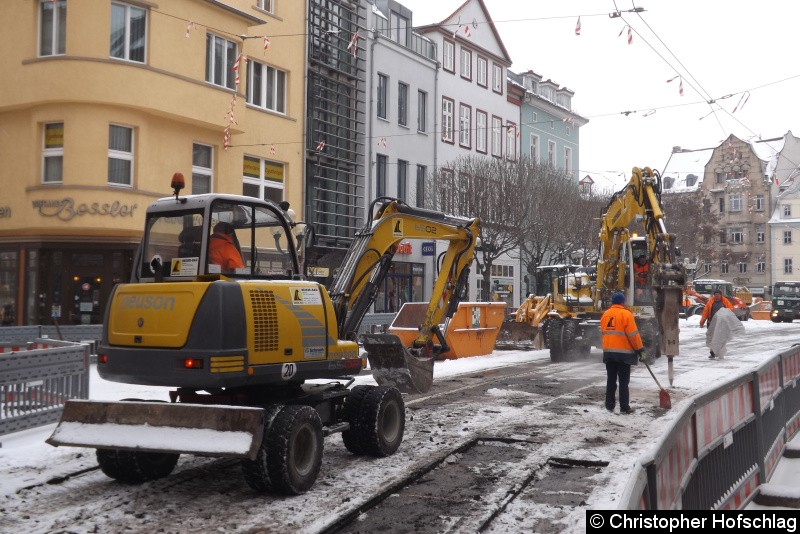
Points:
x=720, y=47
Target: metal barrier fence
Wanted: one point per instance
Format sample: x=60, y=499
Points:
x=725, y=444
x=37, y=379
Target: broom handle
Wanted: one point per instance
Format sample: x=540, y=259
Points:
x=651, y=374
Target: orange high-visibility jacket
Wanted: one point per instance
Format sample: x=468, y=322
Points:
x=620, y=333
x=707, y=308
x=222, y=251
x=641, y=272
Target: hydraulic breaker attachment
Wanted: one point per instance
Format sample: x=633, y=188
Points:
x=223, y=431
x=395, y=365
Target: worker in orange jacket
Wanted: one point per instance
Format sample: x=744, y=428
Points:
x=641, y=270
x=622, y=344
x=222, y=250
x=712, y=306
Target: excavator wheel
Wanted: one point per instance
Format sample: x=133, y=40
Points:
x=569, y=347
x=555, y=330
x=255, y=472
x=290, y=455
x=135, y=467
x=381, y=421
x=352, y=409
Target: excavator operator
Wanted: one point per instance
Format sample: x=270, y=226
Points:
x=641, y=269
x=222, y=248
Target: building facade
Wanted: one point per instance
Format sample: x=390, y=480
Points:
x=550, y=130
x=103, y=101
x=784, y=224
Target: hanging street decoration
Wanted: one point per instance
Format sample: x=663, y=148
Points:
x=383, y=143
x=272, y=149
x=680, y=84
x=578, y=27
x=630, y=34
x=742, y=101
x=189, y=28
x=321, y=145
x=266, y=44
x=353, y=46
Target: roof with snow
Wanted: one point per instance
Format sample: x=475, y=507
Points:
x=684, y=170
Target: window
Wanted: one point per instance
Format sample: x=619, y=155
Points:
x=759, y=203
x=735, y=202
x=534, y=148
x=466, y=63
x=707, y=267
x=568, y=159
x=447, y=120
x=402, y=179
x=267, y=5
x=787, y=237
x=383, y=96
x=742, y=266
x=263, y=179
x=482, y=68
x=399, y=29
x=421, y=172
x=787, y=266
x=568, y=129
x=723, y=267
x=53, y=152
x=202, y=169
x=760, y=234
x=128, y=29
x=761, y=266
x=448, y=56
x=402, y=104
x=497, y=78
x=721, y=205
x=497, y=136
x=120, y=155
x=220, y=58
x=552, y=125
x=464, y=126
x=52, y=27
x=480, y=131
x=723, y=237
x=380, y=175
x=551, y=153
x=787, y=210
x=422, y=111
x=737, y=235
x=266, y=87
x=511, y=141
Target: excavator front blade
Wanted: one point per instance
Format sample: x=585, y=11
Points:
x=516, y=336
x=393, y=364
x=225, y=431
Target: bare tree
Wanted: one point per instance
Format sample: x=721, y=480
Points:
x=489, y=189
x=694, y=226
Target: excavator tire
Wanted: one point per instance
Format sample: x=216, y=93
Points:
x=136, y=467
x=569, y=348
x=133, y=467
x=255, y=472
x=381, y=421
x=290, y=456
x=352, y=409
x=555, y=330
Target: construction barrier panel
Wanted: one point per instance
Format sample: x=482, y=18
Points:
x=724, y=444
x=37, y=379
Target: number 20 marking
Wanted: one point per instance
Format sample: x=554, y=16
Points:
x=289, y=370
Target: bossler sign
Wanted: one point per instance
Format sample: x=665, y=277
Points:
x=66, y=209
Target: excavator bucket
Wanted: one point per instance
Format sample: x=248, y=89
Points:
x=393, y=364
x=516, y=335
x=223, y=431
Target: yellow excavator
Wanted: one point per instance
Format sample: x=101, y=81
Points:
x=567, y=318
x=217, y=308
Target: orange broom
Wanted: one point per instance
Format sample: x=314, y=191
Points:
x=663, y=397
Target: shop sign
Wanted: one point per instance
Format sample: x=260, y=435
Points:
x=66, y=209
x=5, y=212
x=429, y=248
x=404, y=248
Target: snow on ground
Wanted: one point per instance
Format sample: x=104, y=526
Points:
x=25, y=458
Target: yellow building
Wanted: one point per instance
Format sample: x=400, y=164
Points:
x=101, y=101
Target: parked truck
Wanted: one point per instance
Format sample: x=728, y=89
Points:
x=785, y=302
